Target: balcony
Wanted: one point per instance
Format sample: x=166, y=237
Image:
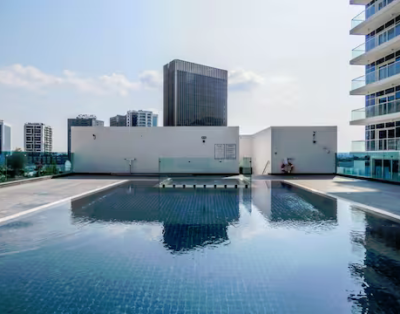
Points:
x=376, y=47
x=384, y=112
x=360, y=2
x=385, y=77
x=376, y=145
x=373, y=17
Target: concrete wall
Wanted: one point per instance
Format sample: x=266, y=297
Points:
x=181, y=148
x=246, y=146
x=261, y=152
x=296, y=144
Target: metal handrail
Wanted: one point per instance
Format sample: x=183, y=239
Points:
x=265, y=168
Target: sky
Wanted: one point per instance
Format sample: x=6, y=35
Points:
x=288, y=61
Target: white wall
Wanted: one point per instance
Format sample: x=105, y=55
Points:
x=261, y=152
x=296, y=143
x=107, y=153
x=246, y=146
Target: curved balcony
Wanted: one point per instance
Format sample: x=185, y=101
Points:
x=376, y=47
x=376, y=145
x=385, y=77
x=388, y=111
x=373, y=17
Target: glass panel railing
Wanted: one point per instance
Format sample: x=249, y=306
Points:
x=369, y=12
x=376, y=145
x=377, y=165
x=358, y=114
x=21, y=165
x=358, y=146
x=246, y=169
x=188, y=165
x=375, y=111
x=377, y=75
x=358, y=19
x=358, y=51
x=358, y=82
x=188, y=172
x=375, y=41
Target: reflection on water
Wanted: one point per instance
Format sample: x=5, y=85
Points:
x=138, y=249
x=379, y=268
x=286, y=205
x=190, y=218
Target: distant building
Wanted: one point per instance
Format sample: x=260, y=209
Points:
x=118, y=120
x=81, y=120
x=155, y=119
x=5, y=137
x=141, y=118
x=194, y=95
x=38, y=137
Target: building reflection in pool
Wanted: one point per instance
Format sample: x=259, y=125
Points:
x=191, y=218
x=285, y=205
x=379, y=269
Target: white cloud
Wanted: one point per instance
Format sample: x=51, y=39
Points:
x=31, y=78
x=151, y=79
x=241, y=80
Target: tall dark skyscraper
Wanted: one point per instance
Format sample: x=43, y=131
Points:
x=194, y=95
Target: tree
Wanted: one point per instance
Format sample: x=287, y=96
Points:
x=16, y=162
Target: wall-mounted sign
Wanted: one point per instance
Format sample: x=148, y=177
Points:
x=230, y=151
x=219, y=151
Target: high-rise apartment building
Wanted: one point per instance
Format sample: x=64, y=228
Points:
x=81, y=120
x=5, y=137
x=140, y=118
x=118, y=120
x=380, y=55
x=194, y=95
x=133, y=118
x=38, y=137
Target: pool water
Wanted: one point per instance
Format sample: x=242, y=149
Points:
x=139, y=249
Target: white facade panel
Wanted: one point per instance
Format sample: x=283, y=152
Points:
x=268, y=148
x=246, y=146
x=113, y=149
x=309, y=149
x=261, y=158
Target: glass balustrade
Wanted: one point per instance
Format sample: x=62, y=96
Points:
x=375, y=111
x=369, y=12
x=376, y=41
x=377, y=75
x=20, y=165
x=377, y=165
x=376, y=145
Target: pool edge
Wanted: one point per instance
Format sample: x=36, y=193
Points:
x=367, y=208
x=77, y=196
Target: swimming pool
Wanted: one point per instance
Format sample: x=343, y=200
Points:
x=140, y=249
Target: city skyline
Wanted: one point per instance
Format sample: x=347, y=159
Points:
x=296, y=75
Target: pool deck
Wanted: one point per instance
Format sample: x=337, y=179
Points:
x=20, y=198
x=373, y=195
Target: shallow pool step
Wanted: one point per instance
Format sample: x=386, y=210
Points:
x=205, y=186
